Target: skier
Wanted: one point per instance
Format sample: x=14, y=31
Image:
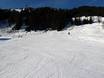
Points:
x=68, y=33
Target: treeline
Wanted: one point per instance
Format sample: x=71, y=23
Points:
x=88, y=11
x=46, y=18
x=82, y=20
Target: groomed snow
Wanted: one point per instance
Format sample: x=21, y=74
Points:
x=54, y=54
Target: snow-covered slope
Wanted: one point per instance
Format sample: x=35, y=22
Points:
x=93, y=32
x=54, y=54
x=17, y=9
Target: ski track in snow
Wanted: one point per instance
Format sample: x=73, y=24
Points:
x=54, y=54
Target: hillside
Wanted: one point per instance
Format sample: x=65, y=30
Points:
x=54, y=54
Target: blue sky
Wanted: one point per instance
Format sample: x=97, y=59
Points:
x=52, y=3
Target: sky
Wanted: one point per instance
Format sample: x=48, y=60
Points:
x=51, y=3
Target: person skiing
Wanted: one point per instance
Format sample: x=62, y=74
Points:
x=68, y=33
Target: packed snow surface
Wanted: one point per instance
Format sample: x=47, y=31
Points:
x=54, y=54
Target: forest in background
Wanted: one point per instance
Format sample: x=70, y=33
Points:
x=47, y=18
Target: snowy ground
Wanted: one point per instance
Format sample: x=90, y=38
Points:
x=54, y=54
